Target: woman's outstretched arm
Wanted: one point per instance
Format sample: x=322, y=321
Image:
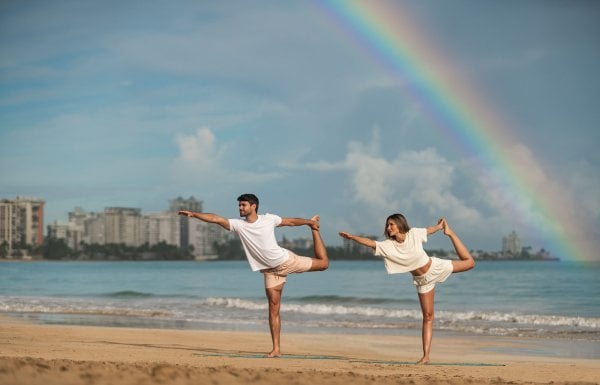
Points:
x=362, y=240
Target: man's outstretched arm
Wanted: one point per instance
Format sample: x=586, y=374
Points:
x=207, y=217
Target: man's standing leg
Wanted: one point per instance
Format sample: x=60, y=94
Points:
x=274, y=298
x=321, y=261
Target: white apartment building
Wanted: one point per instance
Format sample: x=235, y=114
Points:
x=123, y=225
x=22, y=222
x=202, y=237
x=161, y=227
x=70, y=232
x=511, y=244
x=94, y=229
x=191, y=204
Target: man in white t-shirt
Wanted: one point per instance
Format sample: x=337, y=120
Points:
x=257, y=233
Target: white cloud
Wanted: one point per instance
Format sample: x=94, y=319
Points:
x=197, y=148
x=411, y=182
x=202, y=158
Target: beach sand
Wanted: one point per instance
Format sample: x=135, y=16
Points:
x=57, y=354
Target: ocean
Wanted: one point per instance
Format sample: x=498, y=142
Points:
x=549, y=300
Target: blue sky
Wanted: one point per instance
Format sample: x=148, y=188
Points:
x=111, y=103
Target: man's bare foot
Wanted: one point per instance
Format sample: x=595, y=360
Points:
x=316, y=224
x=274, y=354
x=423, y=361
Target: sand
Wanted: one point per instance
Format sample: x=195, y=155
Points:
x=57, y=354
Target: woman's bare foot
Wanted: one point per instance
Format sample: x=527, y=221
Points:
x=423, y=361
x=274, y=354
x=447, y=230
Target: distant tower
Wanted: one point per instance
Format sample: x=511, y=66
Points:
x=511, y=244
x=191, y=204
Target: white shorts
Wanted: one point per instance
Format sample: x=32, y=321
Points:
x=294, y=264
x=439, y=271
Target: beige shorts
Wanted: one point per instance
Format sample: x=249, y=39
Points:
x=294, y=264
x=439, y=271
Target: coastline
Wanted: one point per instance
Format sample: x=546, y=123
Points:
x=61, y=354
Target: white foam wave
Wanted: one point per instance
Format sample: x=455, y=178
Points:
x=54, y=306
x=522, y=319
x=216, y=307
x=441, y=316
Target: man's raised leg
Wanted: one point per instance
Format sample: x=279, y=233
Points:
x=321, y=261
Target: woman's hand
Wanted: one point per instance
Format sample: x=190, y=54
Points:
x=345, y=235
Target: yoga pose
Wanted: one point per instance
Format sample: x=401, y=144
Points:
x=263, y=253
x=402, y=251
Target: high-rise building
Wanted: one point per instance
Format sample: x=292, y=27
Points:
x=122, y=225
x=22, y=222
x=93, y=229
x=161, y=227
x=511, y=244
x=202, y=237
x=70, y=232
x=82, y=227
x=191, y=204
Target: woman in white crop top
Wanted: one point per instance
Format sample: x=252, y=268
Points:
x=403, y=251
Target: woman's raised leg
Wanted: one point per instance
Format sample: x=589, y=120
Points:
x=466, y=261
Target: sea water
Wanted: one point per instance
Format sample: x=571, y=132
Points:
x=542, y=299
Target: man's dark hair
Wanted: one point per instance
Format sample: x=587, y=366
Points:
x=250, y=198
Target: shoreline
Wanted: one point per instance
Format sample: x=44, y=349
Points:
x=527, y=345
x=66, y=354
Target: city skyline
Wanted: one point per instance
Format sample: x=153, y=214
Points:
x=481, y=112
x=509, y=242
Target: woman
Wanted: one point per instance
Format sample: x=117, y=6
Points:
x=402, y=251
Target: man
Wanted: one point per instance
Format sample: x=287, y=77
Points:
x=257, y=233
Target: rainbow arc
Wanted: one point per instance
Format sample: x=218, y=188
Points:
x=393, y=37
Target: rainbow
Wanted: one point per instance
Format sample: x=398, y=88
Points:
x=396, y=40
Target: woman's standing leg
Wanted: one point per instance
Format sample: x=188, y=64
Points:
x=426, y=300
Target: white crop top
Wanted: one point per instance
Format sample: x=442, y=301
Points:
x=406, y=256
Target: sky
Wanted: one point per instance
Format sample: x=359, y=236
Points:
x=131, y=104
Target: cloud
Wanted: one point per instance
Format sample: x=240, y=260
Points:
x=198, y=148
x=203, y=157
x=411, y=182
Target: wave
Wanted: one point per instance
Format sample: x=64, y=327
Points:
x=342, y=315
x=441, y=316
x=91, y=310
x=353, y=300
x=128, y=294
x=522, y=319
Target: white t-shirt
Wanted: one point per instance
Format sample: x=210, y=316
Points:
x=259, y=241
x=406, y=256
